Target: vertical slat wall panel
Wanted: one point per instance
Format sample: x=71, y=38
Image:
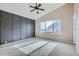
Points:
x=6, y=27
x=16, y=27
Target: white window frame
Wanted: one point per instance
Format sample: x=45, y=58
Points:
x=53, y=28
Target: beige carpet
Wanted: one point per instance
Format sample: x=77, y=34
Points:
x=37, y=47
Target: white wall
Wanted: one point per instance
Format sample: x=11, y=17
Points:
x=65, y=14
x=76, y=26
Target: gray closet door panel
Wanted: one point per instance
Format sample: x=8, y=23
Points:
x=6, y=27
x=29, y=28
x=33, y=27
x=23, y=28
x=0, y=27
x=16, y=27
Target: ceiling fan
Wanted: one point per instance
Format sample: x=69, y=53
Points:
x=37, y=8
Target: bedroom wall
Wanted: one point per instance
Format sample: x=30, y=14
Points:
x=76, y=26
x=65, y=14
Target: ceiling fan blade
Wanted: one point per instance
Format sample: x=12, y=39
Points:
x=32, y=10
x=41, y=9
x=37, y=12
x=39, y=5
x=36, y=4
x=32, y=6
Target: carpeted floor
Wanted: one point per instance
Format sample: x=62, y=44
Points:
x=37, y=47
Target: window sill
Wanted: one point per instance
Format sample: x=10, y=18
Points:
x=50, y=32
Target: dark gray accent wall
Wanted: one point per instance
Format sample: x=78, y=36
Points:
x=14, y=27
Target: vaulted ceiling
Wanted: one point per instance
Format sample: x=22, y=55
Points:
x=23, y=9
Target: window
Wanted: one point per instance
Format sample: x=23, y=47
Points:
x=57, y=26
x=51, y=26
x=43, y=26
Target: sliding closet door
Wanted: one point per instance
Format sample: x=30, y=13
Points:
x=29, y=28
x=6, y=27
x=33, y=28
x=0, y=27
x=23, y=28
x=16, y=27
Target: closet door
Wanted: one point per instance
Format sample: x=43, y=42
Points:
x=33, y=28
x=29, y=28
x=23, y=28
x=16, y=27
x=0, y=27
x=6, y=27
